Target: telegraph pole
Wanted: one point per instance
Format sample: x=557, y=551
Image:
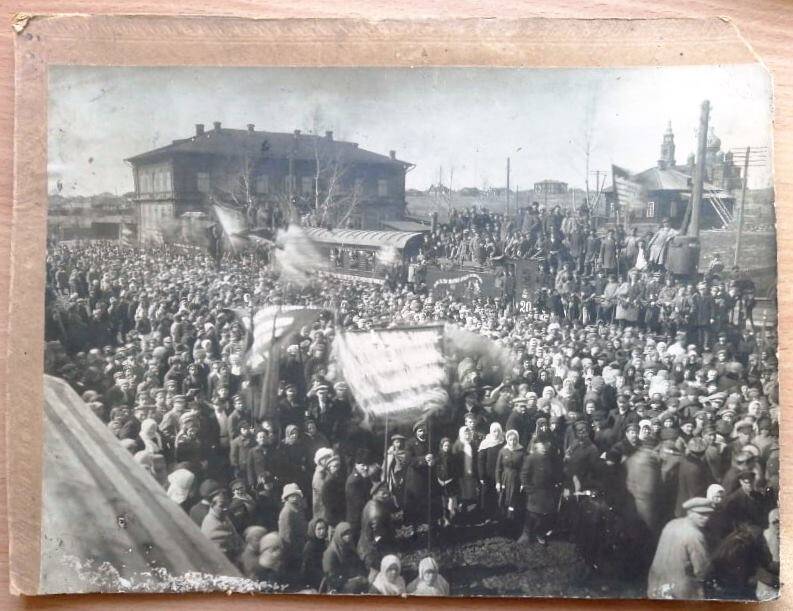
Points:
x=683, y=252
x=743, y=204
x=699, y=172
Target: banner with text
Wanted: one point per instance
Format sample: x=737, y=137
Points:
x=396, y=374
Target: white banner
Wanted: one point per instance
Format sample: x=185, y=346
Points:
x=398, y=373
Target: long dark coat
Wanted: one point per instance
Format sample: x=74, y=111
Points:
x=421, y=487
x=356, y=493
x=333, y=499
x=375, y=524
x=539, y=477
x=508, y=466
x=693, y=479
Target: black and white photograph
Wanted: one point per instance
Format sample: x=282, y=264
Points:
x=411, y=332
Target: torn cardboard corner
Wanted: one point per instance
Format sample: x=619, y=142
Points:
x=102, y=40
x=20, y=21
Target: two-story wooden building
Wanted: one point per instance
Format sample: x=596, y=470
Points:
x=276, y=170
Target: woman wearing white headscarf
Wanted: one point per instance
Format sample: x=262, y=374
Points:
x=508, y=466
x=429, y=581
x=486, y=466
x=464, y=452
x=389, y=581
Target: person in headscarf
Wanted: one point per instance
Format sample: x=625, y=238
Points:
x=292, y=527
x=429, y=581
x=180, y=486
x=340, y=562
x=321, y=458
x=248, y=560
x=487, y=456
x=313, y=551
x=389, y=581
x=334, y=503
x=508, y=465
x=447, y=472
x=464, y=454
x=150, y=437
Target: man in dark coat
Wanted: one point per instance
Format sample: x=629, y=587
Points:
x=377, y=531
x=421, y=488
x=744, y=505
x=356, y=490
x=693, y=474
x=538, y=481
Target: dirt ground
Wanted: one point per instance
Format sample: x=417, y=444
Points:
x=482, y=561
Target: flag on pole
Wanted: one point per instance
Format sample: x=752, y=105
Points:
x=396, y=374
x=273, y=328
x=627, y=191
x=128, y=237
x=234, y=226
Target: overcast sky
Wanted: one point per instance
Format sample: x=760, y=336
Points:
x=470, y=120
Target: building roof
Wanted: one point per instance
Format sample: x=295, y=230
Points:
x=667, y=179
x=361, y=237
x=242, y=142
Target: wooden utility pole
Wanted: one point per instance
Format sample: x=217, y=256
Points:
x=699, y=172
x=741, y=209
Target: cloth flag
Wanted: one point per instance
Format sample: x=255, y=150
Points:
x=396, y=374
x=273, y=328
x=628, y=192
x=234, y=226
x=127, y=236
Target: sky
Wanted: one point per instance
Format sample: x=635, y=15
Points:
x=456, y=123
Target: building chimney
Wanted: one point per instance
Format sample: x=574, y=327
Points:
x=216, y=124
x=199, y=129
x=329, y=135
x=250, y=127
x=297, y=133
x=392, y=154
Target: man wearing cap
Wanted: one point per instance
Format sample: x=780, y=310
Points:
x=421, y=487
x=681, y=559
x=218, y=527
x=693, y=475
x=743, y=506
x=207, y=490
x=356, y=491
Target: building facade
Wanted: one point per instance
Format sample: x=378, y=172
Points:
x=666, y=188
x=272, y=172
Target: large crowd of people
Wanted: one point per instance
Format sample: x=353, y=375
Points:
x=638, y=415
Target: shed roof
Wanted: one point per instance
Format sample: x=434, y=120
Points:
x=361, y=237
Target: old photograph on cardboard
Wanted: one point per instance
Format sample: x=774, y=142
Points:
x=431, y=332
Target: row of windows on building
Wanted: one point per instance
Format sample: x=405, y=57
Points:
x=262, y=184
x=159, y=180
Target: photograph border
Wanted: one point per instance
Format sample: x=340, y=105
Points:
x=155, y=40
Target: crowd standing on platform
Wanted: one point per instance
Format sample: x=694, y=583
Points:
x=638, y=417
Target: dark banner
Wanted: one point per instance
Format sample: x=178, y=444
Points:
x=527, y=276
x=462, y=283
